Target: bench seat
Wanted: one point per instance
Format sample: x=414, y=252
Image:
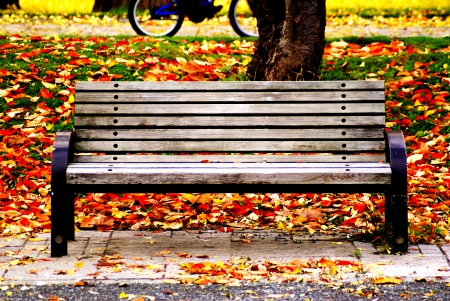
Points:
x=229, y=173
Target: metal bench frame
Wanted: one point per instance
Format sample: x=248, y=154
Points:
x=157, y=117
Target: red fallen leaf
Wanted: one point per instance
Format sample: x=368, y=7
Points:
x=346, y=262
x=36, y=38
x=166, y=292
x=225, y=229
x=73, y=54
x=82, y=62
x=46, y=94
x=8, y=46
x=437, y=156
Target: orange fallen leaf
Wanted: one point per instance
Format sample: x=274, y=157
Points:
x=184, y=255
x=387, y=280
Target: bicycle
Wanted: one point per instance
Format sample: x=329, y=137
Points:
x=164, y=17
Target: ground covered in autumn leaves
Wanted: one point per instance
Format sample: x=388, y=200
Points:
x=37, y=81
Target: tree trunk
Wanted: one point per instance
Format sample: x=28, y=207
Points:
x=291, y=39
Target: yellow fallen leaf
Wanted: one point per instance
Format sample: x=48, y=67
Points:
x=14, y=262
x=429, y=112
x=280, y=226
x=387, y=280
x=79, y=264
x=123, y=295
x=340, y=44
x=48, y=85
x=246, y=61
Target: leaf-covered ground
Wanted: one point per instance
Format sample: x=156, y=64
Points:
x=37, y=79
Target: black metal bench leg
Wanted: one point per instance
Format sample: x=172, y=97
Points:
x=388, y=211
x=70, y=221
x=396, y=198
x=59, y=237
x=62, y=200
x=400, y=221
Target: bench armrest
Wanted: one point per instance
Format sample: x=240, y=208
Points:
x=396, y=155
x=62, y=154
x=396, y=202
x=61, y=202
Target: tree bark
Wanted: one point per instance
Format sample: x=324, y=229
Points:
x=291, y=39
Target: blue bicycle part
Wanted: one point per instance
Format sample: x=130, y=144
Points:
x=155, y=17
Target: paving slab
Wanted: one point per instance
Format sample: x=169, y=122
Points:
x=155, y=257
x=420, y=262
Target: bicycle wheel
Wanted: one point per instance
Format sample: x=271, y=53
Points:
x=150, y=19
x=241, y=19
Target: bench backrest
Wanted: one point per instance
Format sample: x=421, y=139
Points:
x=335, y=119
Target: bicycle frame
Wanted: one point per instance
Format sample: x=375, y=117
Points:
x=161, y=12
x=168, y=18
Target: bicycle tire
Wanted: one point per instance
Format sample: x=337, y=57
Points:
x=250, y=31
x=139, y=28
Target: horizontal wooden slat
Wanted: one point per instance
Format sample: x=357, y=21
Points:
x=229, y=121
x=230, y=134
x=229, y=86
x=269, y=158
x=235, y=173
x=188, y=97
x=228, y=146
x=240, y=166
x=221, y=109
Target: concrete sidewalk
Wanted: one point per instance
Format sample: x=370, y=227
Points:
x=130, y=256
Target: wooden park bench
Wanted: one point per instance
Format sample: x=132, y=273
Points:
x=228, y=137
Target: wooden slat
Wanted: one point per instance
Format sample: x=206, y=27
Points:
x=230, y=134
x=240, y=166
x=229, y=121
x=223, y=109
x=189, y=97
x=210, y=174
x=269, y=158
x=229, y=86
x=228, y=146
